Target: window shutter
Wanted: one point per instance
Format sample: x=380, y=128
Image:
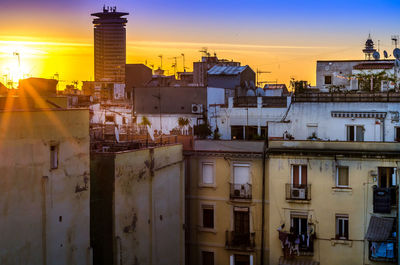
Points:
x=295, y=173
x=304, y=175
x=241, y=173
x=208, y=173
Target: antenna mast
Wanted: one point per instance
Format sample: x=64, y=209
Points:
x=183, y=59
x=161, y=60
x=259, y=72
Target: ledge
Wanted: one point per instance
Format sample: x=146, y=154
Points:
x=341, y=242
x=207, y=230
x=342, y=189
x=298, y=201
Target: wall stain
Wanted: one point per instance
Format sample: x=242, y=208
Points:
x=132, y=227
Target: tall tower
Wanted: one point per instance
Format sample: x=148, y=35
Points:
x=369, y=48
x=109, y=45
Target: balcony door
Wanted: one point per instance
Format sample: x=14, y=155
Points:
x=242, y=220
x=386, y=177
x=299, y=175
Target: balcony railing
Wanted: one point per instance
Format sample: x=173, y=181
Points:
x=298, y=192
x=240, y=191
x=297, y=245
x=384, y=199
x=240, y=241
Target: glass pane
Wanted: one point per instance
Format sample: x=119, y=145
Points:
x=343, y=178
x=350, y=133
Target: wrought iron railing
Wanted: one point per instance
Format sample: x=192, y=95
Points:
x=240, y=240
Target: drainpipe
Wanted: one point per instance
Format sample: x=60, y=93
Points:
x=264, y=157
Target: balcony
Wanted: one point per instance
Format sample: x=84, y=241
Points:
x=298, y=192
x=384, y=199
x=240, y=191
x=240, y=241
x=297, y=245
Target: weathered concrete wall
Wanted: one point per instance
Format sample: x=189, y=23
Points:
x=147, y=208
x=326, y=201
x=44, y=217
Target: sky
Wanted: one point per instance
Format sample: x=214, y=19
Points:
x=285, y=38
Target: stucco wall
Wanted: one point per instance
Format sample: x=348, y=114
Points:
x=148, y=206
x=218, y=195
x=326, y=201
x=44, y=212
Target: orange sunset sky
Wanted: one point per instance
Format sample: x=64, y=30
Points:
x=285, y=38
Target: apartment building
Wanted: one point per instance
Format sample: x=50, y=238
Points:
x=333, y=202
x=224, y=190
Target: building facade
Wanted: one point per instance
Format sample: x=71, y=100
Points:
x=137, y=205
x=45, y=185
x=109, y=45
x=333, y=202
x=224, y=190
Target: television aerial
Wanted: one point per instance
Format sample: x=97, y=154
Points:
x=396, y=53
x=385, y=54
x=376, y=55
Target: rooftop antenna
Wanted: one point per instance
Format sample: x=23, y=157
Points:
x=183, y=59
x=161, y=60
x=175, y=64
x=205, y=52
x=258, y=72
x=395, y=39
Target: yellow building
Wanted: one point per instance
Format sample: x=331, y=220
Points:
x=44, y=183
x=224, y=189
x=137, y=205
x=327, y=200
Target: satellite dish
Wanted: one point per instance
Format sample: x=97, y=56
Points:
x=385, y=54
x=396, y=53
x=376, y=55
x=250, y=93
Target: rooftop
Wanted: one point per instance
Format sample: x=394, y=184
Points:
x=373, y=65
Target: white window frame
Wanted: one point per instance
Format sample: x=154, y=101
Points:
x=337, y=177
x=342, y=217
x=355, y=132
x=291, y=173
x=201, y=182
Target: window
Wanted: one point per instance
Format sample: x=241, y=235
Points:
x=355, y=133
x=207, y=169
x=241, y=173
x=242, y=259
x=342, y=226
x=237, y=133
x=397, y=134
x=328, y=80
x=342, y=177
x=299, y=224
x=242, y=221
x=207, y=257
x=312, y=131
x=110, y=118
x=208, y=216
x=386, y=177
x=299, y=175
x=53, y=156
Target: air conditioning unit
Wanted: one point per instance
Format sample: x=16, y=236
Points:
x=197, y=108
x=298, y=193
